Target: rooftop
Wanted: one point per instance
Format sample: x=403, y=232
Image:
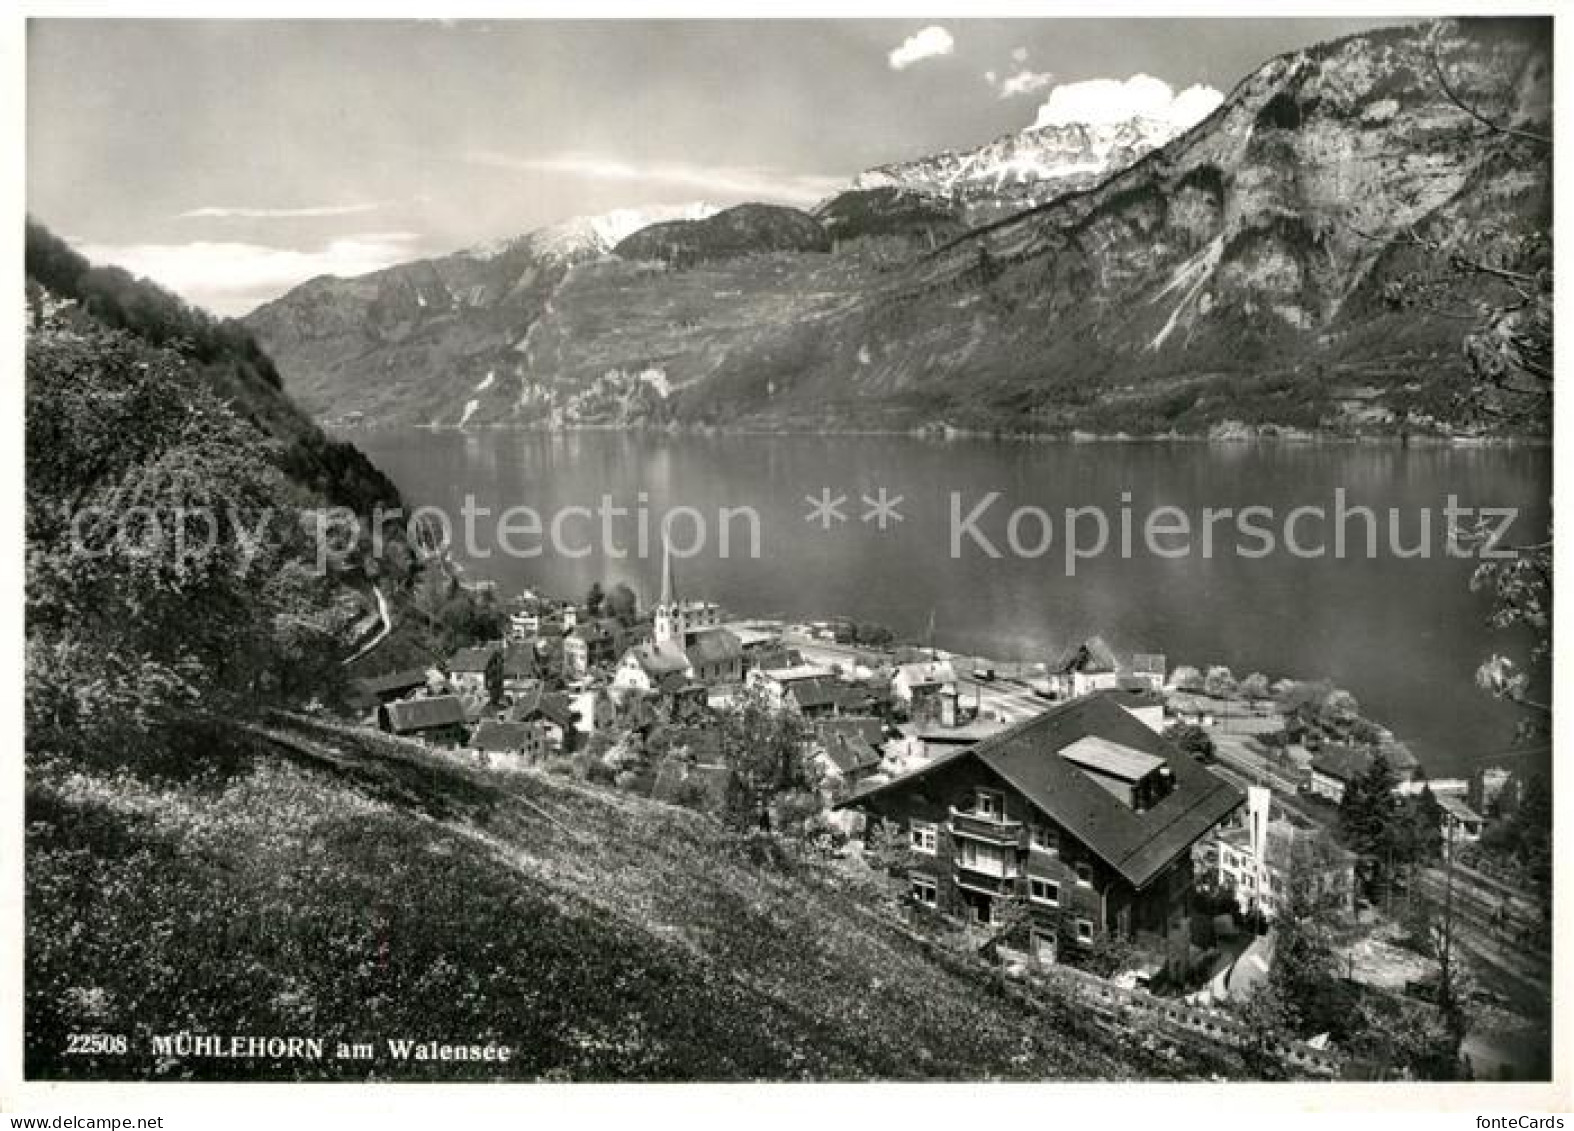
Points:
x=1137, y=845
x=473, y=659
x=1106, y=757
x=405, y=715
x=1092, y=655
x=392, y=681
x=715, y=646
x=496, y=736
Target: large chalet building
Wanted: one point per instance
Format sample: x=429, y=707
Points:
x=1083, y=814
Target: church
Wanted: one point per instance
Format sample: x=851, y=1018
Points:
x=687, y=646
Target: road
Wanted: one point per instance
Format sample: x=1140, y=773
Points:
x=382, y=633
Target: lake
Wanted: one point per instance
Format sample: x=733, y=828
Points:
x=1404, y=635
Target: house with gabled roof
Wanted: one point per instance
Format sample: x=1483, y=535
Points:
x=826, y=696
x=478, y=671
x=1336, y=765
x=644, y=666
x=1089, y=666
x=715, y=655
x=1082, y=815
x=921, y=678
x=1461, y=823
x=371, y=691
x=1149, y=668
x=848, y=749
x=438, y=719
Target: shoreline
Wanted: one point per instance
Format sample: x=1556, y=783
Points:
x=1267, y=435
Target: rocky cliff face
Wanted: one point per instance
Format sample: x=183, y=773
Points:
x=1024, y=169
x=1238, y=273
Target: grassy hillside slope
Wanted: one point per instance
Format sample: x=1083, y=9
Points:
x=360, y=891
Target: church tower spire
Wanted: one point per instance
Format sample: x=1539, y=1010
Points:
x=668, y=589
x=669, y=624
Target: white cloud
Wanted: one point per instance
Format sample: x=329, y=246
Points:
x=731, y=181
x=1106, y=101
x=243, y=212
x=926, y=44
x=231, y=278
x=1019, y=54
x=1020, y=83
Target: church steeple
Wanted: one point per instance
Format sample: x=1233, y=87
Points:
x=669, y=614
x=668, y=589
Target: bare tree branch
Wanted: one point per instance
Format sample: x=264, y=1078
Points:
x=1497, y=127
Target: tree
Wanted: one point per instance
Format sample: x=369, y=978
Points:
x=594, y=596
x=1504, y=267
x=1423, y=835
x=1192, y=739
x=1255, y=687
x=622, y=605
x=1268, y=1023
x=1305, y=975
x=162, y=582
x=886, y=847
x=1367, y=815
x=1408, y=1036
x=1219, y=682
x=768, y=754
x=1186, y=678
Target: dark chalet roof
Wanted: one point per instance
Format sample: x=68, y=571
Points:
x=519, y=660
x=1137, y=845
x=472, y=659
x=536, y=702
x=407, y=715
x=869, y=730
x=827, y=691
x=1343, y=762
x=715, y=646
x=392, y=681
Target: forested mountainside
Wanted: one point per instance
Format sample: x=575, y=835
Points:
x=221, y=356
x=1255, y=272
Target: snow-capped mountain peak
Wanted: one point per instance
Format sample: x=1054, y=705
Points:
x=1030, y=167
x=583, y=236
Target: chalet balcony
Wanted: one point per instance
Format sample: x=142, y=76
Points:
x=990, y=830
x=981, y=882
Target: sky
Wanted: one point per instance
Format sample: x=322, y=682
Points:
x=232, y=160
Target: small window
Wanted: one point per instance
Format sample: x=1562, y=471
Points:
x=1085, y=931
x=990, y=803
x=1085, y=875
x=925, y=890
x=1046, y=892
x=924, y=837
x=1046, y=838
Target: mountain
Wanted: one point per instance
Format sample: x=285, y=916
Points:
x=224, y=355
x=1244, y=275
x=584, y=236
x=418, y=342
x=1027, y=168
x=748, y=229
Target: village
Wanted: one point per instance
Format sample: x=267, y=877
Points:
x=1144, y=836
